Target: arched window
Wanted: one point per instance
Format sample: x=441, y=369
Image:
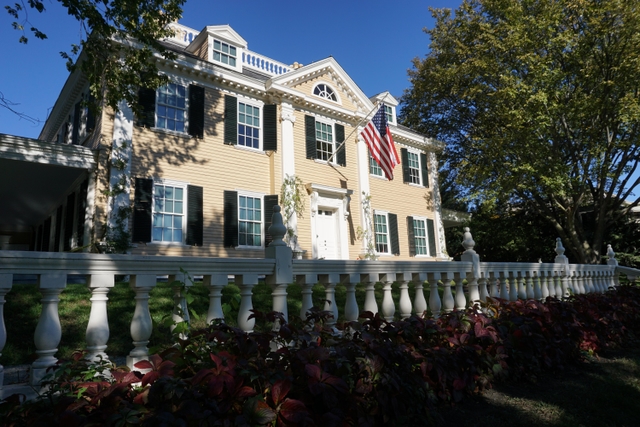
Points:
x=324, y=91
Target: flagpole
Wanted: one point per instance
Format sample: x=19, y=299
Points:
x=354, y=129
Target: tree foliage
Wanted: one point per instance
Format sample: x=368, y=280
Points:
x=538, y=104
x=121, y=37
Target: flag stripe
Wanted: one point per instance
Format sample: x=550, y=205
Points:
x=378, y=138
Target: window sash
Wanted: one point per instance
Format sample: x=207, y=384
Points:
x=224, y=53
x=420, y=236
x=171, y=107
x=249, y=221
x=414, y=168
x=248, y=125
x=324, y=141
x=389, y=113
x=381, y=232
x=168, y=213
x=374, y=167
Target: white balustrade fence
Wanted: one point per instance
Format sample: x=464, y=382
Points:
x=471, y=279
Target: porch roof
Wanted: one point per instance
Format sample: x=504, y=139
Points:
x=34, y=177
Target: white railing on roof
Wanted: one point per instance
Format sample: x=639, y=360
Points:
x=262, y=64
x=473, y=281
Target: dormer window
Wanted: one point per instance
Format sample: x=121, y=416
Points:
x=324, y=91
x=391, y=117
x=224, y=53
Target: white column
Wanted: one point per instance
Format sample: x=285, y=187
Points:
x=365, y=190
x=141, y=323
x=287, y=120
x=120, y=163
x=433, y=181
x=88, y=213
x=6, y=281
x=48, y=332
x=98, y=327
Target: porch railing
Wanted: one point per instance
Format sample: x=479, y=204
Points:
x=471, y=279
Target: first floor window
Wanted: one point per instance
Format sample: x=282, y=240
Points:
x=168, y=213
x=381, y=233
x=249, y=221
x=171, y=110
x=420, y=236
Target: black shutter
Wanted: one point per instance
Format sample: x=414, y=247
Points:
x=270, y=114
x=230, y=214
x=196, y=111
x=91, y=117
x=341, y=155
x=404, y=158
x=310, y=136
x=58, y=236
x=269, y=204
x=393, y=234
x=425, y=169
x=230, y=120
x=432, y=238
x=46, y=235
x=412, y=236
x=81, y=212
x=68, y=221
x=76, y=124
x=147, y=101
x=195, y=221
x=142, y=210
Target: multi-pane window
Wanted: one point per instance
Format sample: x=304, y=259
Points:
x=249, y=221
x=324, y=91
x=374, y=167
x=224, y=53
x=171, y=109
x=420, y=236
x=324, y=141
x=414, y=168
x=168, y=213
x=389, y=113
x=381, y=230
x=248, y=125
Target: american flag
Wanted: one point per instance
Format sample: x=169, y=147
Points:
x=380, y=143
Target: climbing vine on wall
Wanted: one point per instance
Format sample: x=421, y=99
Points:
x=366, y=234
x=291, y=202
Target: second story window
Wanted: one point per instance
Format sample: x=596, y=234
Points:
x=324, y=141
x=171, y=112
x=414, y=168
x=224, y=53
x=248, y=125
x=374, y=167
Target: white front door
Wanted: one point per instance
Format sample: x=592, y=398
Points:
x=327, y=234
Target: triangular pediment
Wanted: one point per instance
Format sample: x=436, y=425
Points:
x=220, y=32
x=304, y=80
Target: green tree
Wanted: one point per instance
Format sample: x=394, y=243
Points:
x=537, y=101
x=120, y=39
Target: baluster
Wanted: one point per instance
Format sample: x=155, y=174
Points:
x=97, y=334
x=306, y=282
x=448, y=302
x=180, y=313
x=560, y=280
x=494, y=287
x=246, y=282
x=482, y=284
x=215, y=283
x=565, y=286
x=530, y=285
x=370, y=303
x=589, y=283
x=405, y=302
x=544, y=285
x=504, y=285
x=602, y=281
x=576, y=282
x=435, y=304
x=472, y=285
x=141, y=324
x=513, y=286
x=6, y=282
x=419, y=303
x=48, y=332
x=522, y=290
x=329, y=281
x=351, y=310
x=460, y=299
x=388, y=306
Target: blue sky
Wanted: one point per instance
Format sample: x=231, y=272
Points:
x=374, y=41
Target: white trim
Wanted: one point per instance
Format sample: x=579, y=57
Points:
x=386, y=216
x=253, y=103
x=335, y=92
x=426, y=236
x=253, y=195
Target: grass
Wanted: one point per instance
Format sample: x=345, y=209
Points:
x=22, y=311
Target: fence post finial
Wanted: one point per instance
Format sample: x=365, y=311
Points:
x=467, y=240
x=277, y=230
x=612, y=256
x=471, y=256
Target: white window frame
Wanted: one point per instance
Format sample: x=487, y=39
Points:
x=259, y=106
x=186, y=109
x=426, y=236
x=236, y=57
x=387, y=234
x=390, y=112
x=327, y=88
x=332, y=156
x=262, y=222
x=420, y=179
x=176, y=184
x=374, y=167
